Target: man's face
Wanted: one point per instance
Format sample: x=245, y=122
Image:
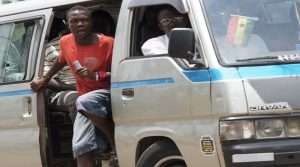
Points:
x=168, y=19
x=79, y=24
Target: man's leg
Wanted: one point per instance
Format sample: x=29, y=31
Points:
x=86, y=160
x=106, y=126
x=96, y=106
x=84, y=141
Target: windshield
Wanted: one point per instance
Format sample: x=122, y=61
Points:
x=255, y=31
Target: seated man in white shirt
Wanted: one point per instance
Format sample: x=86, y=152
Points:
x=167, y=18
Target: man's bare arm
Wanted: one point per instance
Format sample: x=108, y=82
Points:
x=41, y=83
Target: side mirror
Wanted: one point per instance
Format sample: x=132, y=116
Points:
x=182, y=43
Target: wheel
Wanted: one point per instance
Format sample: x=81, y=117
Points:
x=161, y=154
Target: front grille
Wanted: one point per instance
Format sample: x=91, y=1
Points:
x=284, y=153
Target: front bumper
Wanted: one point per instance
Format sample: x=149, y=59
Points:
x=262, y=153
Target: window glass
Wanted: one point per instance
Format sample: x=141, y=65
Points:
x=255, y=31
x=152, y=27
x=15, y=39
x=279, y=12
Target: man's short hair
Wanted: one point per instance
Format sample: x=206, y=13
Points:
x=78, y=7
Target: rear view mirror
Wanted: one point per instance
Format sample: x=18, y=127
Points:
x=182, y=43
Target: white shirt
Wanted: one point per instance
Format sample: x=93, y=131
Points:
x=230, y=53
x=156, y=46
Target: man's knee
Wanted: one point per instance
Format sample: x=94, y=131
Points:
x=96, y=103
x=82, y=148
x=90, y=100
x=81, y=101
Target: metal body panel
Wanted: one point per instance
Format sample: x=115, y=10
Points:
x=178, y=4
x=228, y=98
x=159, y=107
x=122, y=39
x=19, y=147
x=227, y=94
x=168, y=101
x=19, y=129
x=186, y=134
x=145, y=100
x=32, y=5
x=273, y=84
x=202, y=32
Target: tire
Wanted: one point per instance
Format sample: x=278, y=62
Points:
x=161, y=154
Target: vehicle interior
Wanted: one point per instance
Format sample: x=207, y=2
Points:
x=279, y=16
x=59, y=95
x=146, y=26
x=273, y=31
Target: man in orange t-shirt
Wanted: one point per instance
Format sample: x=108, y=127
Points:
x=89, y=57
x=94, y=58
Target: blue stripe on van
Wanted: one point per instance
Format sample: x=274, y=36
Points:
x=254, y=72
x=17, y=92
x=197, y=75
x=221, y=74
x=212, y=74
x=224, y=74
x=142, y=83
x=270, y=71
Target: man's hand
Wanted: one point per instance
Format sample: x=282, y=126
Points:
x=85, y=73
x=108, y=74
x=39, y=84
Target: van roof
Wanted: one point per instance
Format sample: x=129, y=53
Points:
x=31, y=5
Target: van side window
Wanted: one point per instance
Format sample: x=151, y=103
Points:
x=151, y=28
x=144, y=27
x=15, y=39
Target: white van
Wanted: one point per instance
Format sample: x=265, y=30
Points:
x=225, y=95
x=33, y=133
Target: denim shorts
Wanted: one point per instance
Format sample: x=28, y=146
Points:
x=86, y=137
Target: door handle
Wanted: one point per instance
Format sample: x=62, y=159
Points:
x=27, y=107
x=128, y=93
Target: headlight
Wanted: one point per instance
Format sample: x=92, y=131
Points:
x=234, y=130
x=269, y=128
x=293, y=127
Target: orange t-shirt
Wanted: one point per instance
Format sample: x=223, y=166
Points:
x=96, y=57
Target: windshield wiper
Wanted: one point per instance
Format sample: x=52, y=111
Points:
x=259, y=58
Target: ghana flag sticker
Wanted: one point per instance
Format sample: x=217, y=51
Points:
x=239, y=29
